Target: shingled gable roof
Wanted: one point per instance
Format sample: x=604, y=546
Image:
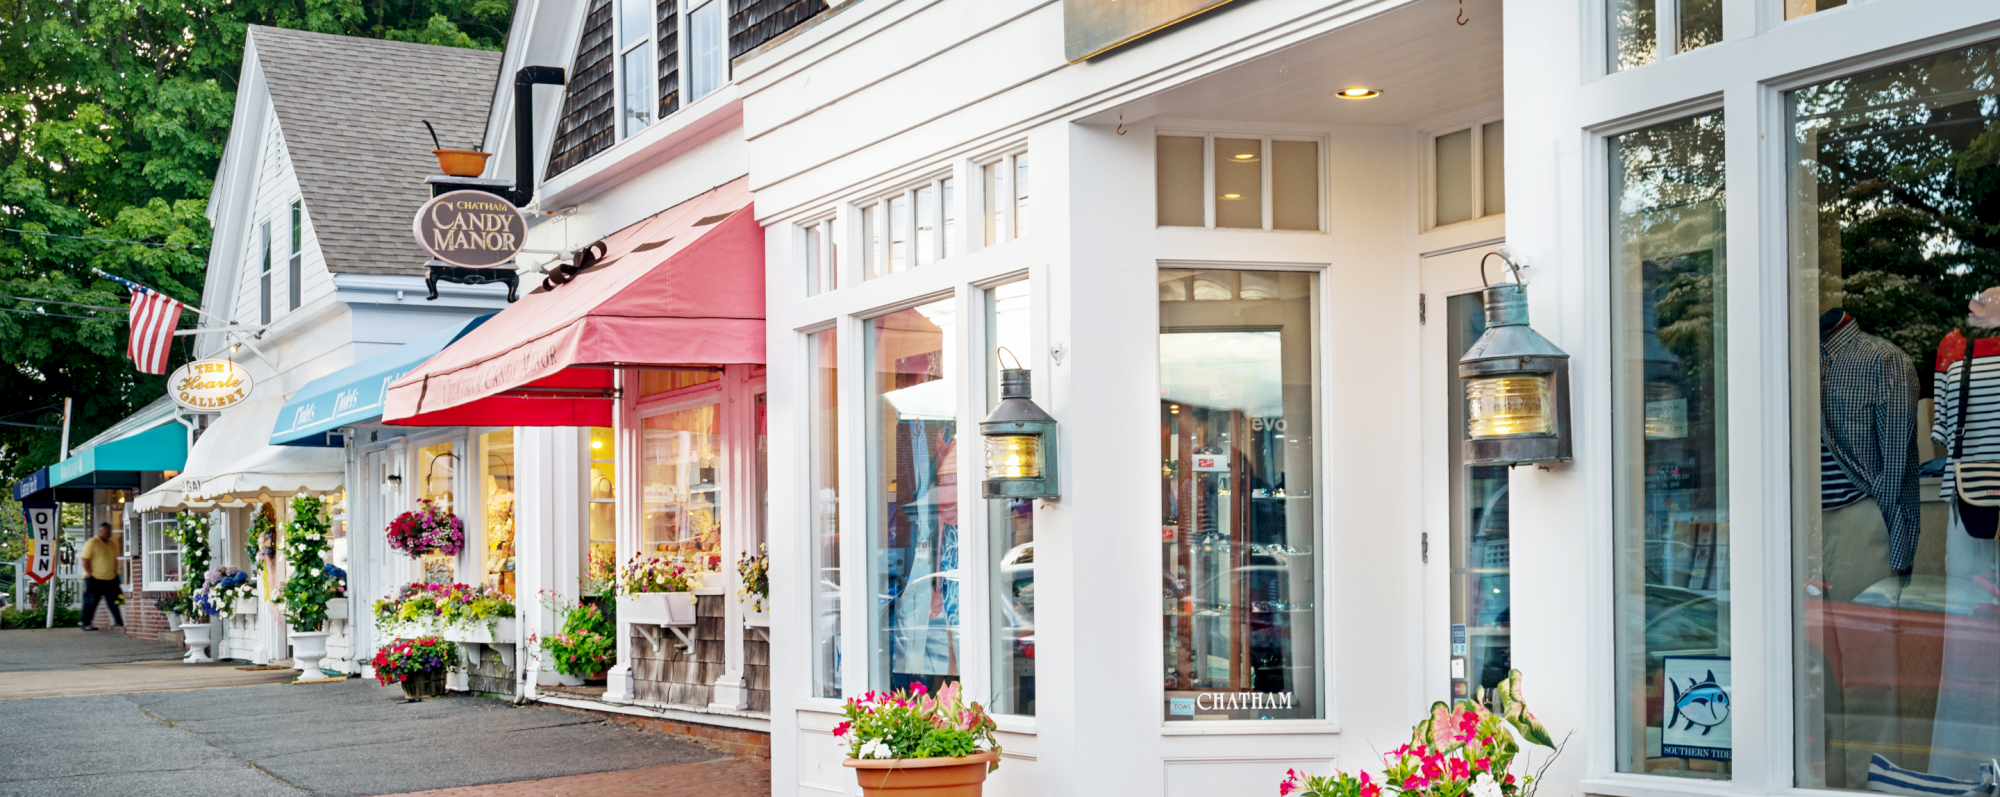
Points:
x=351, y=111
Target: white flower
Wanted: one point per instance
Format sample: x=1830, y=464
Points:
x=1485, y=786
x=878, y=749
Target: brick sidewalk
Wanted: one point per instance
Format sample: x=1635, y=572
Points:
x=722, y=777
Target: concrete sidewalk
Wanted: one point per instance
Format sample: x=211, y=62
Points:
x=66, y=662
x=344, y=739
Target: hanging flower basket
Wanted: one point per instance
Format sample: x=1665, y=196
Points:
x=427, y=530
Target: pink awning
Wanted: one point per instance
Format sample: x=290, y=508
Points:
x=685, y=287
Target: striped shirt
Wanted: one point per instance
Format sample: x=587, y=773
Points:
x=1836, y=489
x=1982, y=419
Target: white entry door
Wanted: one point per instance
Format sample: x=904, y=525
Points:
x=1467, y=595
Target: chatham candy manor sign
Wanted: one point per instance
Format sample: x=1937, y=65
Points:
x=209, y=385
x=473, y=229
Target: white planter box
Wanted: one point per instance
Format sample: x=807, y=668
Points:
x=246, y=607
x=757, y=618
x=502, y=631
x=657, y=608
x=336, y=609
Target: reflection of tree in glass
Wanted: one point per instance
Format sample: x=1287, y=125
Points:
x=1901, y=163
x=1671, y=202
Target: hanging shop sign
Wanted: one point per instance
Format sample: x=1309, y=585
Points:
x=42, y=525
x=210, y=385
x=1094, y=26
x=471, y=229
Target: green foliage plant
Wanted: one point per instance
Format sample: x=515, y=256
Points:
x=587, y=643
x=309, y=588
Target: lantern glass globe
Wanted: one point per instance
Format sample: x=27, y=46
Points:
x=1511, y=404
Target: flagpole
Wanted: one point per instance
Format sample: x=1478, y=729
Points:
x=228, y=326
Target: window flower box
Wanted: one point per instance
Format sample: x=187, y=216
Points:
x=337, y=609
x=657, y=608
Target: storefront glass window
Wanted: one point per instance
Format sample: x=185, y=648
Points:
x=601, y=535
x=680, y=464
x=1670, y=496
x=1239, y=515
x=655, y=381
x=823, y=386
x=913, y=567
x=1481, y=551
x=1636, y=39
x=1010, y=525
x=1895, y=198
x=436, y=467
x=927, y=224
x=497, y=483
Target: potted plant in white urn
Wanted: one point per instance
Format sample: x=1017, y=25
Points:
x=310, y=587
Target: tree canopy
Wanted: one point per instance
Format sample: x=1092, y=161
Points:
x=113, y=117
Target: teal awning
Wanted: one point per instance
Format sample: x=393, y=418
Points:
x=118, y=463
x=354, y=394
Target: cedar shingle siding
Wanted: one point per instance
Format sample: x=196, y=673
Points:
x=670, y=59
x=753, y=22
x=588, y=116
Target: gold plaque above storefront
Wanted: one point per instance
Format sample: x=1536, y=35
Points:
x=1091, y=27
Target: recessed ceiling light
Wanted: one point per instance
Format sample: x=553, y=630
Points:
x=1232, y=196
x=1359, y=94
x=1244, y=157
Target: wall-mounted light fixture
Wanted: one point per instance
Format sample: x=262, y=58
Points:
x=1516, y=383
x=1020, y=443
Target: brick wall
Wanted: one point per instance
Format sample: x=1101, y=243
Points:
x=141, y=619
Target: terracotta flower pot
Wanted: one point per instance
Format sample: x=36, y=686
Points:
x=462, y=162
x=963, y=776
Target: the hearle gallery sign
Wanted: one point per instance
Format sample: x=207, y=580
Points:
x=473, y=229
x=209, y=385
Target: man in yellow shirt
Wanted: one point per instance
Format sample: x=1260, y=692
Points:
x=100, y=577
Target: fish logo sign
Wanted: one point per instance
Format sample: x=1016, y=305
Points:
x=1704, y=704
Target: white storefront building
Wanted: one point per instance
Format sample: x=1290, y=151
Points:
x=1243, y=296
x=1241, y=255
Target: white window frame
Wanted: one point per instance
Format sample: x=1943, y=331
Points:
x=156, y=545
x=1208, y=138
x=685, y=9
x=884, y=223
x=819, y=258
x=620, y=51
x=1004, y=195
x=1428, y=190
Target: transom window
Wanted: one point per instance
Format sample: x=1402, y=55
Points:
x=1238, y=181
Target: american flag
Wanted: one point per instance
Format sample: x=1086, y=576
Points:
x=154, y=317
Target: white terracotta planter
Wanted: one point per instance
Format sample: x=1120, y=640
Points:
x=197, y=637
x=657, y=608
x=173, y=621
x=336, y=609
x=308, y=647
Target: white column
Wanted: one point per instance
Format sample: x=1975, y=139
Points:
x=618, y=684
x=546, y=522
x=739, y=484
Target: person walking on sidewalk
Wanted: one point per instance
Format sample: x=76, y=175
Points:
x=100, y=578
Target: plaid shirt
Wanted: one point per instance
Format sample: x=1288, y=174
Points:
x=1868, y=419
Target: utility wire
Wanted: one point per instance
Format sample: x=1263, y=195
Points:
x=65, y=304
x=103, y=240
x=54, y=315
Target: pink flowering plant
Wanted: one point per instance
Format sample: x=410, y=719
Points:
x=427, y=530
x=645, y=573
x=911, y=723
x=1461, y=750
